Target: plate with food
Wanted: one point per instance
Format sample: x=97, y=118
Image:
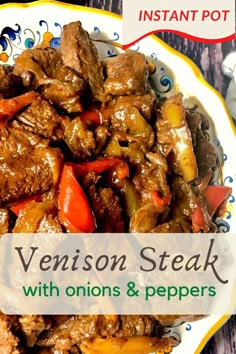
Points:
x=98, y=139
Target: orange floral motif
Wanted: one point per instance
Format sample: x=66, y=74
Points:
x=4, y=57
x=47, y=36
x=168, y=350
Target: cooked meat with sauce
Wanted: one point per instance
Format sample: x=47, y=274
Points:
x=81, y=134
x=127, y=74
x=43, y=68
x=205, y=153
x=10, y=84
x=43, y=120
x=144, y=103
x=79, y=139
x=16, y=141
x=106, y=205
x=80, y=54
x=30, y=174
x=38, y=217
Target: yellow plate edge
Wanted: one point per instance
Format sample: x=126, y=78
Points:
x=211, y=332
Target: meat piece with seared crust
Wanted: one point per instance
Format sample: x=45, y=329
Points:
x=31, y=174
x=127, y=74
x=79, y=53
x=42, y=119
x=38, y=217
x=10, y=84
x=106, y=205
x=79, y=139
x=43, y=69
x=16, y=141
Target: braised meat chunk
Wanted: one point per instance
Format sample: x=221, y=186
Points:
x=79, y=139
x=70, y=332
x=16, y=141
x=10, y=84
x=144, y=103
x=43, y=68
x=205, y=153
x=106, y=205
x=38, y=217
x=80, y=54
x=34, y=173
x=135, y=326
x=42, y=119
x=42, y=63
x=126, y=74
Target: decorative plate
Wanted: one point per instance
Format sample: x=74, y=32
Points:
x=26, y=25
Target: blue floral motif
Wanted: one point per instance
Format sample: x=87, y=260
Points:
x=29, y=43
x=96, y=29
x=56, y=24
x=110, y=52
x=153, y=56
x=11, y=33
x=55, y=42
x=188, y=327
x=160, y=81
x=116, y=37
x=42, y=22
x=228, y=179
x=172, y=331
x=167, y=82
x=216, y=142
x=8, y=36
x=222, y=225
x=27, y=39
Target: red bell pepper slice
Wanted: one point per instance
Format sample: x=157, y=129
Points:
x=160, y=201
x=93, y=115
x=216, y=197
x=199, y=221
x=99, y=166
x=9, y=107
x=74, y=209
x=16, y=208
